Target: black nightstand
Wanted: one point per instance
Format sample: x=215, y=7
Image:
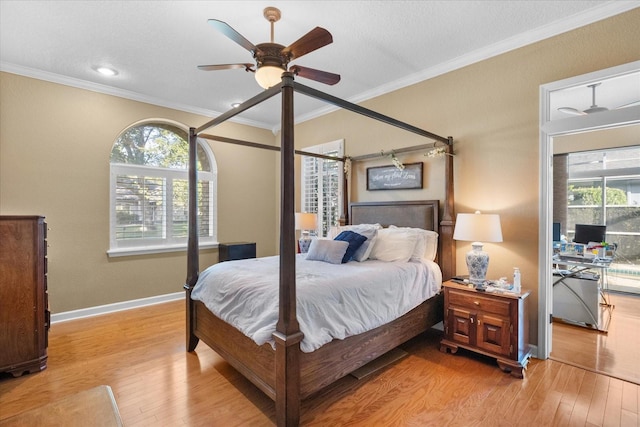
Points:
x=236, y=250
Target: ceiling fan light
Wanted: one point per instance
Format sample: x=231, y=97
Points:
x=269, y=75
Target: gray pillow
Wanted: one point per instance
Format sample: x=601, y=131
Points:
x=331, y=251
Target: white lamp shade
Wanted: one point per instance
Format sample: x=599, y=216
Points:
x=268, y=76
x=306, y=221
x=478, y=227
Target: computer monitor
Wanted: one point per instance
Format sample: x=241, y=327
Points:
x=590, y=233
x=557, y=232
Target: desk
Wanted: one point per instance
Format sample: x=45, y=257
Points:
x=579, y=292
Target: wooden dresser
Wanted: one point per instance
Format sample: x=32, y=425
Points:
x=492, y=324
x=24, y=314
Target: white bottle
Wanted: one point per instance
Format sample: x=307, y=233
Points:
x=516, y=280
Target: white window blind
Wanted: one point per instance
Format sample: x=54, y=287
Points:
x=322, y=182
x=149, y=191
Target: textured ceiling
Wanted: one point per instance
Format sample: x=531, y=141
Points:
x=378, y=46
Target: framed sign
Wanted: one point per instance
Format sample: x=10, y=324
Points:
x=392, y=178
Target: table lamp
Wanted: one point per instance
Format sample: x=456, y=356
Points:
x=305, y=222
x=477, y=228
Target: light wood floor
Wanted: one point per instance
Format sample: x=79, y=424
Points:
x=140, y=354
x=615, y=353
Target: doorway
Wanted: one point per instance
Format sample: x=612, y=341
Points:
x=597, y=181
x=553, y=127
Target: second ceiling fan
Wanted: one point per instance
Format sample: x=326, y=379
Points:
x=594, y=107
x=272, y=59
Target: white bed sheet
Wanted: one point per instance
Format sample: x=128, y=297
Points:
x=333, y=301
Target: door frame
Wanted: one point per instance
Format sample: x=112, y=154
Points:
x=548, y=130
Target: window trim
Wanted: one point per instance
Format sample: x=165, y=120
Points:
x=174, y=245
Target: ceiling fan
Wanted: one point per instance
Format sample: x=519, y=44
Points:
x=272, y=59
x=594, y=107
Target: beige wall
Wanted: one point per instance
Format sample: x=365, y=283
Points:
x=492, y=110
x=55, y=143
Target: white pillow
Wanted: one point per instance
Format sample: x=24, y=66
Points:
x=334, y=230
x=432, y=245
x=367, y=230
x=394, y=244
x=331, y=251
x=426, y=244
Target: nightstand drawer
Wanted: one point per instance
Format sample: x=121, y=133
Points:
x=488, y=305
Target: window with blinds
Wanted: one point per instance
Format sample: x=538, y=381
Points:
x=149, y=190
x=322, y=184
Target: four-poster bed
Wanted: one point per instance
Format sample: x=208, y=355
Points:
x=287, y=374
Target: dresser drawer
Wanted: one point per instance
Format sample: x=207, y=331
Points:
x=486, y=304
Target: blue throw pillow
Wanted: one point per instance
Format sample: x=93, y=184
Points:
x=354, y=239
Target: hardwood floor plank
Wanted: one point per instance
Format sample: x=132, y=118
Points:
x=583, y=401
x=598, y=400
x=630, y=397
x=552, y=398
x=613, y=406
x=629, y=419
x=140, y=354
x=613, y=353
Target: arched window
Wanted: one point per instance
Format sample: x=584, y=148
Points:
x=149, y=190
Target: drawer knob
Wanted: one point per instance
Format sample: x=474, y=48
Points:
x=476, y=302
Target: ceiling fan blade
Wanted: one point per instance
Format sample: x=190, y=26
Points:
x=247, y=67
x=317, y=75
x=314, y=39
x=570, y=110
x=228, y=31
x=630, y=104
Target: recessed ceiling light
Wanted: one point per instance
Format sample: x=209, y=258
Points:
x=235, y=105
x=106, y=71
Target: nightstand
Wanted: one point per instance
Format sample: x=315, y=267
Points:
x=236, y=250
x=492, y=324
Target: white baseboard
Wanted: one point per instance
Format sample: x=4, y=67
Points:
x=534, y=351
x=111, y=308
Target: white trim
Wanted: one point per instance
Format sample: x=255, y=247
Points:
x=115, y=307
x=120, y=93
x=168, y=243
x=548, y=130
x=595, y=14
x=145, y=250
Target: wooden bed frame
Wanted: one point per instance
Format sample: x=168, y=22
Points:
x=287, y=374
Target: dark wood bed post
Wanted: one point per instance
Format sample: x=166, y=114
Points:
x=193, y=259
x=447, y=224
x=287, y=335
x=344, y=219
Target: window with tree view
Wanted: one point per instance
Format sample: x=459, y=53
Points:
x=149, y=189
x=604, y=188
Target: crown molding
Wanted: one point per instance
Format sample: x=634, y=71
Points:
x=590, y=16
x=595, y=14
x=121, y=93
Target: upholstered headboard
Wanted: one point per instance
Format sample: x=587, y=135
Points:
x=419, y=214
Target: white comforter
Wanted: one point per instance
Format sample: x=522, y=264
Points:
x=333, y=301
